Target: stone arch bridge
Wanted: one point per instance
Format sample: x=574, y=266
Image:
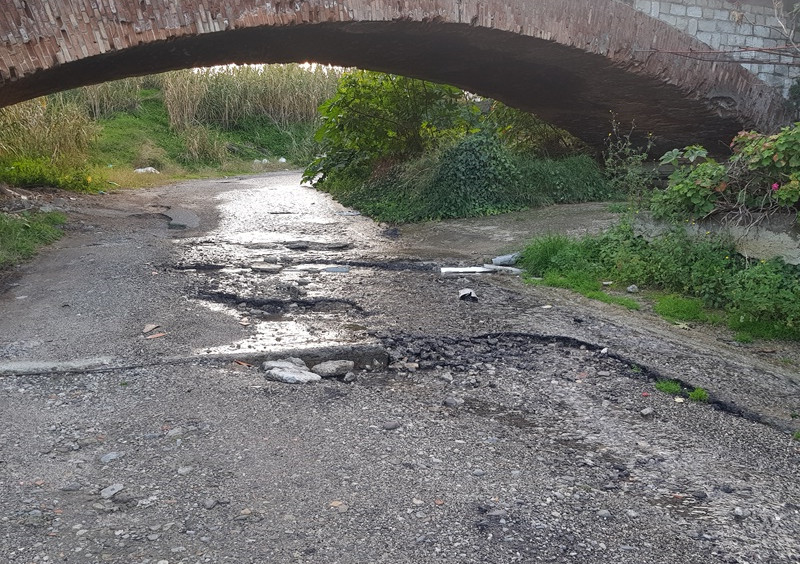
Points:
x=569, y=61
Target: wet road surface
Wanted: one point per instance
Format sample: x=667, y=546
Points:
x=523, y=427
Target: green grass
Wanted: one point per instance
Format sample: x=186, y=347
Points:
x=678, y=308
x=690, y=279
x=671, y=387
x=796, y=435
x=698, y=394
x=21, y=235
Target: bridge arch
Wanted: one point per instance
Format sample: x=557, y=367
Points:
x=569, y=61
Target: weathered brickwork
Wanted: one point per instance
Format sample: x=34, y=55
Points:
x=570, y=61
x=741, y=30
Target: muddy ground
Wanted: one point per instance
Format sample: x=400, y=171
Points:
x=524, y=427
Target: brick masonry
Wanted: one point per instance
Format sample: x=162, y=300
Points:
x=570, y=61
x=735, y=27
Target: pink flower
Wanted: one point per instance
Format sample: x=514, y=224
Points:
x=775, y=187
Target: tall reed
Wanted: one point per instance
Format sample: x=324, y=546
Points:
x=104, y=100
x=285, y=94
x=54, y=128
x=183, y=93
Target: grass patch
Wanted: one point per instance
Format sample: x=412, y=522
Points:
x=698, y=394
x=691, y=279
x=677, y=308
x=796, y=435
x=671, y=387
x=21, y=235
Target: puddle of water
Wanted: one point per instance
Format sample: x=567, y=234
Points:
x=280, y=331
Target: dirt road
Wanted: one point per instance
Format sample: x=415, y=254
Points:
x=523, y=427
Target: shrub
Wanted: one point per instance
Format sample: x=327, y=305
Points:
x=763, y=174
x=475, y=177
x=382, y=117
x=624, y=159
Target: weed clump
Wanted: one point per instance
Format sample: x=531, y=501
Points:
x=671, y=387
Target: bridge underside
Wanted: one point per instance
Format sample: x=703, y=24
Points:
x=566, y=86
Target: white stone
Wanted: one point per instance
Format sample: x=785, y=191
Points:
x=332, y=368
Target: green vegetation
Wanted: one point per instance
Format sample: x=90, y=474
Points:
x=46, y=142
x=762, y=174
x=796, y=435
x=678, y=308
x=705, y=280
x=184, y=124
x=403, y=150
x=21, y=235
x=698, y=394
x=671, y=387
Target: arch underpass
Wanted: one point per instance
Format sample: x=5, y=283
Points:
x=569, y=61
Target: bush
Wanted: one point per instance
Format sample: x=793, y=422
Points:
x=475, y=177
x=569, y=180
x=761, y=299
x=763, y=174
x=376, y=117
x=767, y=292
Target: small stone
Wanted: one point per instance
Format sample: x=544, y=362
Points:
x=417, y=501
x=154, y=536
x=633, y=289
x=498, y=513
x=604, y=373
x=647, y=412
x=739, y=513
x=70, y=487
x=333, y=368
x=184, y=470
x=210, y=503
x=176, y=432
x=350, y=377
x=452, y=401
x=111, y=491
x=632, y=514
x=106, y=458
x=478, y=472
x=391, y=425
x=604, y=514
x=699, y=494
x=289, y=372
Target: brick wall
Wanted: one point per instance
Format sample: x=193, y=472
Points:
x=738, y=28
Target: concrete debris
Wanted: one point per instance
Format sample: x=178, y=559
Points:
x=289, y=371
x=332, y=368
x=467, y=294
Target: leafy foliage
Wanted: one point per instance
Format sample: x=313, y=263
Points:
x=761, y=298
x=382, y=117
x=763, y=174
x=401, y=149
